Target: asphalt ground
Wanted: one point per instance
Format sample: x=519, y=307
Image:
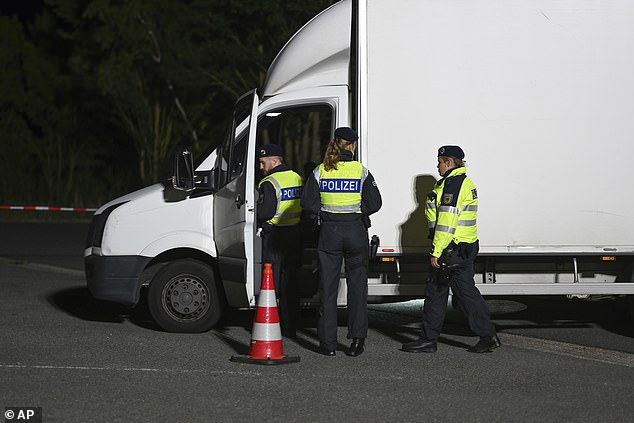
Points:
x=57, y=243
x=85, y=360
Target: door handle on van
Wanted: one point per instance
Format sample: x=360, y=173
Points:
x=239, y=201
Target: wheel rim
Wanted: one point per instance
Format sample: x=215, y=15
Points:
x=185, y=298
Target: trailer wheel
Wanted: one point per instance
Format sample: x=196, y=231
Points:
x=184, y=297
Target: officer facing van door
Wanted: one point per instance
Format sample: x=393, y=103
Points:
x=451, y=210
x=341, y=194
x=278, y=215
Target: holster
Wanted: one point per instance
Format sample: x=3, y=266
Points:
x=316, y=223
x=366, y=221
x=447, y=252
x=447, y=271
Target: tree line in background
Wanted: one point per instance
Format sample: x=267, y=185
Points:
x=97, y=95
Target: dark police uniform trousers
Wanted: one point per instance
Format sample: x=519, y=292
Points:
x=459, y=275
x=282, y=247
x=347, y=240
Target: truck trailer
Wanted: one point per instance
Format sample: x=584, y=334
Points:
x=538, y=93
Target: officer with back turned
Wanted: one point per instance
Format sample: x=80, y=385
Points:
x=341, y=194
x=278, y=215
x=451, y=210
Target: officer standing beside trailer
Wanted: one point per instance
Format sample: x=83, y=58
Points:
x=451, y=210
x=278, y=215
x=341, y=194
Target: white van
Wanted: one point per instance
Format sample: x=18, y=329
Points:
x=538, y=93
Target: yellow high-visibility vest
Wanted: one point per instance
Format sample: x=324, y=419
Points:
x=340, y=189
x=452, y=210
x=288, y=191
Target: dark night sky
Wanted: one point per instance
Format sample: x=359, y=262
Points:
x=25, y=9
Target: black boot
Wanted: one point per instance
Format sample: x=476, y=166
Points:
x=356, y=347
x=486, y=344
x=420, y=345
x=326, y=351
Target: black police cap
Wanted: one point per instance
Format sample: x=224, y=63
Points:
x=347, y=134
x=451, y=151
x=270, y=150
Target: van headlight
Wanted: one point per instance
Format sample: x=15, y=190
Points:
x=95, y=232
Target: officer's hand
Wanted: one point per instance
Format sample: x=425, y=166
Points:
x=434, y=262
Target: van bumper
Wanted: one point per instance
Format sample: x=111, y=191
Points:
x=115, y=278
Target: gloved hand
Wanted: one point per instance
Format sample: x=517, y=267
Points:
x=266, y=227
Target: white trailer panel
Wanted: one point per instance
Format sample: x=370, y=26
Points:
x=539, y=93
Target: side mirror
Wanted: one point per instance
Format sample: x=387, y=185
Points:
x=206, y=180
x=186, y=179
x=183, y=178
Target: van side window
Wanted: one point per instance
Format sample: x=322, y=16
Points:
x=231, y=161
x=238, y=158
x=223, y=162
x=233, y=154
x=303, y=132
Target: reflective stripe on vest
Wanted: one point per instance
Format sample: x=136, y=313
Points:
x=449, y=209
x=340, y=189
x=455, y=218
x=443, y=228
x=288, y=192
x=430, y=207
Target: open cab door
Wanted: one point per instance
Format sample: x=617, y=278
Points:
x=234, y=204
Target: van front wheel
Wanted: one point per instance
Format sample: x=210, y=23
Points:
x=183, y=297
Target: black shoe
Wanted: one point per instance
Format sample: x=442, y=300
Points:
x=356, y=347
x=420, y=345
x=486, y=344
x=327, y=352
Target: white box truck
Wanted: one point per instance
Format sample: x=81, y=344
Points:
x=539, y=93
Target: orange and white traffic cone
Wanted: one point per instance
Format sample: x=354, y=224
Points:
x=266, y=338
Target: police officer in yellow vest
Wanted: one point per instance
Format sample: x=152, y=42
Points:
x=451, y=210
x=341, y=194
x=278, y=215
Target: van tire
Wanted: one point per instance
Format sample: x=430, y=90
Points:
x=184, y=297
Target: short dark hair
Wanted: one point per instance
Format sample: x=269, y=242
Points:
x=456, y=161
